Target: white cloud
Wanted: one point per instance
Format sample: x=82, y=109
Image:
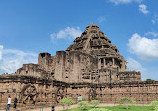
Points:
x=154, y=20
x=134, y=65
x=143, y=9
x=153, y=34
x=101, y=19
x=68, y=32
x=13, y=59
x=146, y=49
x=116, y=2
x=1, y=48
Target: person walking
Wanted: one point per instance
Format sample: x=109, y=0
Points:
x=15, y=102
x=9, y=102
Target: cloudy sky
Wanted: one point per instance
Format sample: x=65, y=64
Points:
x=28, y=27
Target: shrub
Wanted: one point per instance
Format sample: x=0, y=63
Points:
x=156, y=108
x=133, y=102
x=154, y=104
x=99, y=109
x=126, y=101
x=95, y=102
x=66, y=102
x=83, y=105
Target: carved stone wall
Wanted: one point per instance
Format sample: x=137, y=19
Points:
x=46, y=91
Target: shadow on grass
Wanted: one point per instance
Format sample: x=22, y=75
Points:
x=123, y=107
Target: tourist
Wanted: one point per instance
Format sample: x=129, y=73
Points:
x=79, y=98
x=15, y=102
x=9, y=102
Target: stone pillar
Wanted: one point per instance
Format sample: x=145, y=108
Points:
x=99, y=64
x=104, y=62
x=43, y=60
x=123, y=66
x=113, y=61
x=60, y=66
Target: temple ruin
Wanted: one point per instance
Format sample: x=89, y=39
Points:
x=91, y=67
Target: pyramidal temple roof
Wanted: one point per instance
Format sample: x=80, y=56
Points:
x=92, y=39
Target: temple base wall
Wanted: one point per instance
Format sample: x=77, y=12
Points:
x=51, y=91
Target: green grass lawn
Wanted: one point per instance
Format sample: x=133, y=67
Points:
x=120, y=108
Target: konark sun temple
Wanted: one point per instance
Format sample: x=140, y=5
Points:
x=91, y=67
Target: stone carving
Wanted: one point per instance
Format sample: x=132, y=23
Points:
x=60, y=94
x=92, y=94
x=29, y=94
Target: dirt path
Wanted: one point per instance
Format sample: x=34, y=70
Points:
x=58, y=108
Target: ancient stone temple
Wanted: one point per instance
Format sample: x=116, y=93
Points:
x=92, y=59
x=91, y=67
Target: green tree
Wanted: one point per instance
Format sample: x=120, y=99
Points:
x=154, y=104
x=95, y=103
x=83, y=105
x=126, y=101
x=66, y=102
x=150, y=80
